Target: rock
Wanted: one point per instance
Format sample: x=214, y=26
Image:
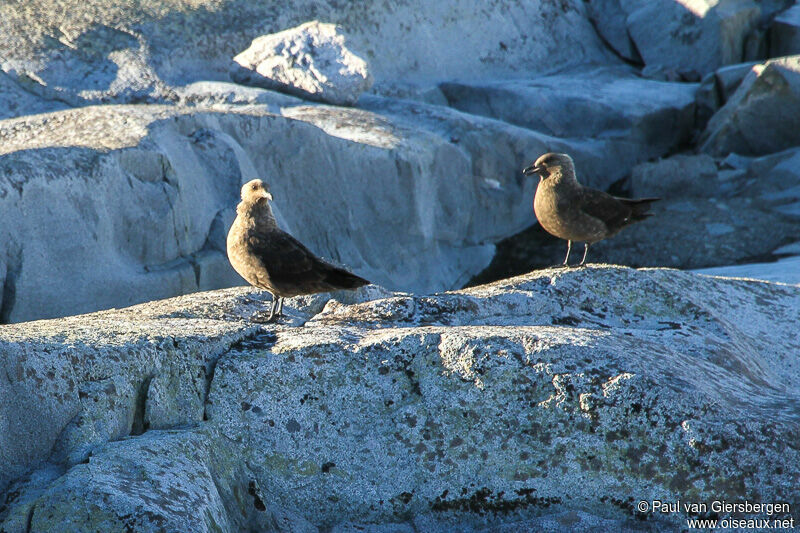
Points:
x=752, y=122
x=785, y=270
x=520, y=405
x=167, y=487
x=453, y=178
x=610, y=19
x=688, y=38
x=700, y=35
x=680, y=175
x=717, y=87
x=774, y=181
x=218, y=93
x=598, y=103
x=16, y=101
x=311, y=61
x=707, y=100
x=784, y=33
x=729, y=78
x=684, y=233
x=695, y=233
x=101, y=64
x=125, y=53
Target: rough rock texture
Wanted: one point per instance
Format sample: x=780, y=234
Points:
x=90, y=49
x=647, y=118
x=609, y=19
x=784, y=34
x=16, y=101
x=753, y=121
x=140, y=198
x=680, y=175
x=785, y=270
x=561, y=397
x=753, y=210
x=311, y=60
x=717, y=87
x=685, y=35
x=738, y=210
x=414, y=188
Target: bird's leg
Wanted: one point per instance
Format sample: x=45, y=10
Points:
x=569, y=248
x=280, y=306
x=585, y=251
x=275, y=301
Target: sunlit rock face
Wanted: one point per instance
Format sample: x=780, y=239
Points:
x=532, y=401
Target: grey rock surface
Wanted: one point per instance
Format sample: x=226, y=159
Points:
x=311, y=60
x=646, y=117
x=754, y=119
x=560, y=397
x=784, y=270
x=740, y=214
x=15, y=100
x=695, y=36
x=680, y=175
x=610, y=20
x=92, y=50
x=784, y=33
x=712, y=213
x=698, y=35
x=141, y=197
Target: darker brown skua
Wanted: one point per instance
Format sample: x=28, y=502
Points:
x=271, y=259
x=570, y=211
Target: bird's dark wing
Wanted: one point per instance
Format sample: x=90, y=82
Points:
x=293, y=268
x=605, y=207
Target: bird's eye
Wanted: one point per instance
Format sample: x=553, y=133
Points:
x=254, y=186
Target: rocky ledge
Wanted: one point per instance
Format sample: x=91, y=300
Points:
x=555, y=400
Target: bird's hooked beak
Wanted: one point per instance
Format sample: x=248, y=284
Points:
x=268, y=196
x=533, y=170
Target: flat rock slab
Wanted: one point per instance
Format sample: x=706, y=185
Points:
x=652, y=116
x=563, y=396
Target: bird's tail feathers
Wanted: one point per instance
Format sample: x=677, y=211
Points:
x=344, y=279
x=639, y=206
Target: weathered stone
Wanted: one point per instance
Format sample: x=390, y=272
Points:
x=784, y=33
x=126, y=52
x=729, y=78
x=100, y=64
x=16, y=101
x=717, y=87
x=454, y=179
x=753, y=121
x=610, y=19
x=686, y=38
x=218, y=93
x=680, y=175
x=522, y=405
x=699, y=35
x=311, y=60
x=707, y=100
x=161, y=481
x=784, y=270
x=696, y=232
x=651, y=117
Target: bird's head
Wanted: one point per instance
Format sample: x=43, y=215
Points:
x=255, y=191
x=549, y=164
